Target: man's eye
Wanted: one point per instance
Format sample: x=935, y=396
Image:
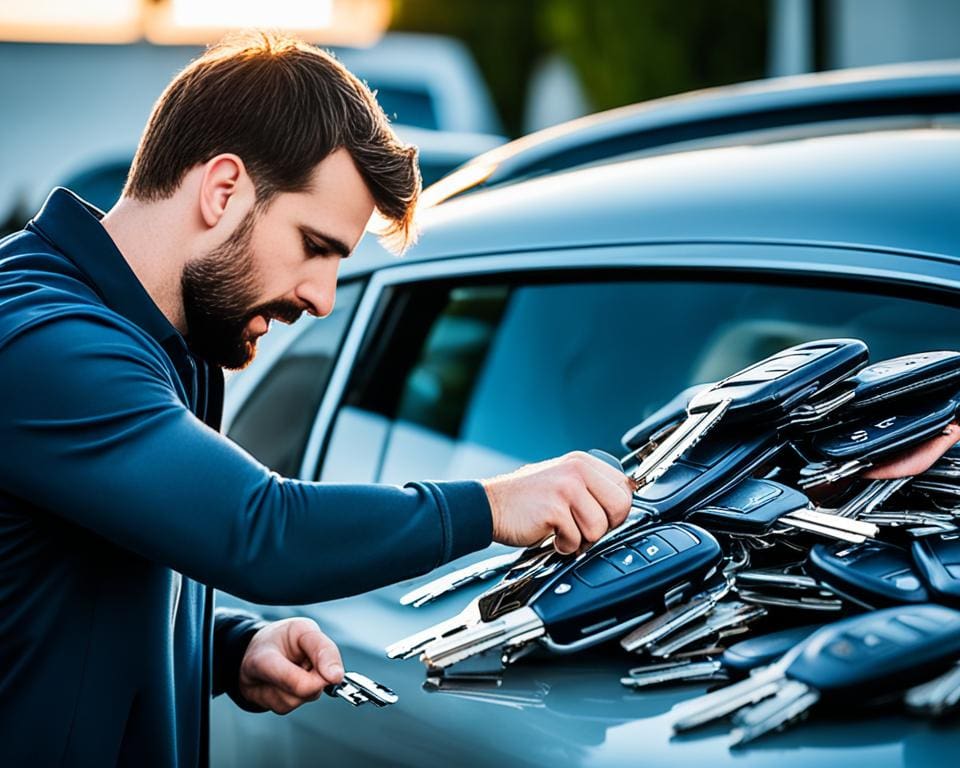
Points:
x=313, y=248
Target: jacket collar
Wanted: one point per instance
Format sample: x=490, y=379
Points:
x=73, y=227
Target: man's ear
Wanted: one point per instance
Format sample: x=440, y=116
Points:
x=224, y=182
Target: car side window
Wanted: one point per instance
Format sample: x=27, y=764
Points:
x=275, y=421
x=467, y=380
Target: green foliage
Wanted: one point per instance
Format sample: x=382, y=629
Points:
x=624, y=50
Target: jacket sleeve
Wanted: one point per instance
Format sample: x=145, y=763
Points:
x=94, y=432
x=232, y=632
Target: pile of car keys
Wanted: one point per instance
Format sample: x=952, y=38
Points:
x=751, y=529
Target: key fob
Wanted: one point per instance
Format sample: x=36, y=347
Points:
x=781, y=382
x=876, y=437
x=754, y=652
x=586, y=599
x=718, y=462
x=751, y=507
x=938, y=562
x=865, y=656
x=908, y=376
x=873, y=575
x=669, y=415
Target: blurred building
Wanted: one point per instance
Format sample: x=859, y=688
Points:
x=809, y=35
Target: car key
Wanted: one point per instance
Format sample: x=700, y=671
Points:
x=735, y=662
x=359, y=689
x=727, y=619
x=717, y=463
x=910, y=376
x=675, y=618
x=781, y=588
x=478, y=571
x=742, y=658
x=877, y=652
x=859, y=445
x=483, y=569
x=937, y=559
x=767, y=390
x=589, y=599
x=812, y=412
x=936, y=697
x=661, y=422
x=872, y=575
x=754, y=507
x=872, y=496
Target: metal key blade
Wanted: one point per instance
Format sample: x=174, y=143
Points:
x=872, y=496
x=712, y=706
x=724, y=617
x=825, y=519
x=823, y=530
x=659, y=674
x=462, y=576
x=412, y=645
x=936, y=697
x=522, y=623
x=679, y=442
x=378, y=694
x=791, y=701
x=666, y=623
x=359, y=689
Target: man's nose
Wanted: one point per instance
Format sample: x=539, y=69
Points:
x=319, y=297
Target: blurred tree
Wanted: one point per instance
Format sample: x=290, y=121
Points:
x=632, y=50
x=624, y=50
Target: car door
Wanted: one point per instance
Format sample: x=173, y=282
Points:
x=465, y=368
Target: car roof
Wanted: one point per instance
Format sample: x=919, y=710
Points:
x=916, y=88
x=889, y=190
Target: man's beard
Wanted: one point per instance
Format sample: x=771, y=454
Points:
x=218, y=294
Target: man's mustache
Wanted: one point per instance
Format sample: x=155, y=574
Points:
x=284, y=311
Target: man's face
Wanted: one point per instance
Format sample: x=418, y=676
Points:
x=277, y=263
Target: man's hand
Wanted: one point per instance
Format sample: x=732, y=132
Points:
x=289, y=663
x=918, y=459
x=578, y=497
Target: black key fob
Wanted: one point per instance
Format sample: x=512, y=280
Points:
x=874, y=574
x=752, y=507
x=908, y=376
x=755, y=652
x=583, y=600
x=718, y=462
x=878, y=436
x=776, y=385
x=937, y=559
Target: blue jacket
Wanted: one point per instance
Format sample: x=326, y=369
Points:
x=114, y=481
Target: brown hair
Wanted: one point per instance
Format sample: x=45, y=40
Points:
x=282, y=106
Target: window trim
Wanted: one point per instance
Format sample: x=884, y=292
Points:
x=899, y=274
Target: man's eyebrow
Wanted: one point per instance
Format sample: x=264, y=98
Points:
x=334, y=244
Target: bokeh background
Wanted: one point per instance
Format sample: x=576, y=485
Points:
x=78, y=77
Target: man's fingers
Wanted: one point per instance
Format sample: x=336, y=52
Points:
x=568, y=537
x=323, y=654
x=612, y=489
x=272, y=668
x=589, y=516
x=916, y=460
x=275, y=699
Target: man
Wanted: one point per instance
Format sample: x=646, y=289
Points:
x=257, y=173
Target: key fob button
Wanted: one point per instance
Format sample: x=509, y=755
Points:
x=678, y=538
x=598, y=572
x=654, y=548
x=625, y=559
